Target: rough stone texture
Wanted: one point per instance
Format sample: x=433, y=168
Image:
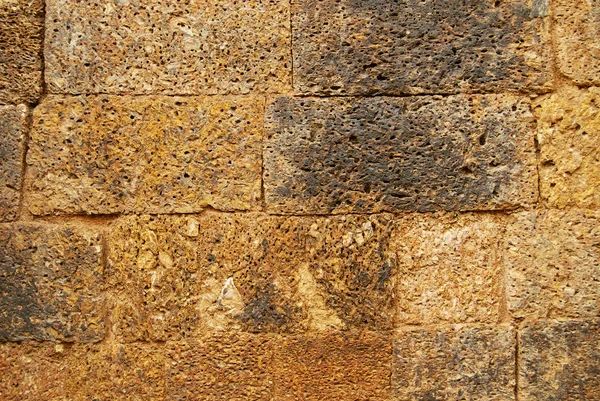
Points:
x=167, y=46
x=414, y=46
x=111, y=154
x=185, y=276
x=560, y=361
x=21, y=35
x=577, y=26
x=449, y=268
x=32, y=371
x=568, y=132
x=553, y=263
x=13, y=125
x=455, y=363
x=50, y=283
x=396, y=154
x=333, y=367
x=229, y=367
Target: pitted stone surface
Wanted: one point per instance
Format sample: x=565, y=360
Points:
x=13, y=126
x=414, y=46
x=21, y=35
x=568, y=133
x=186, y=276
x=449, y=268
x=51, y=283
x=112, y=154
x=552, y=258
x=455, y=363
x=226, y=367
x=167, y=47
x=333, y=367
x=398, y=154
x=577, y=25
x=560, y=360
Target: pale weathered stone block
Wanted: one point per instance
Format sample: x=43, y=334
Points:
x=414, y=46
x=449, y=268
x=560, y=360
x=454, y=363
x=552, y=261
x=167, y=47
x=13, y=126
x=568, y=133
x=187, y=276
x=399, y=154
x=112, y=154
x=577, y=26
x=21, y=35
x=52, y=284
x=332, y=367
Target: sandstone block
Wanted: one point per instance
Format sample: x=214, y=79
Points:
x=413, y=46
x=455, y=363
x=167, y=47
x=568, y=132
x=577, y=26
x=449, y=268
x=13, y=125
x=332, y=367
x=552, y=262
x=113, y=154
x=51, y=283
x=21, y=35
x=560, y=360
x=189, y=276
x=398, y=154
x=226, y=367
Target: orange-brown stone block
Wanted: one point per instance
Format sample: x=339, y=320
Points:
x=186, y=276
x=112, y=154
x=232, y=367
x=560, y=360
x=552, y=262
x=332, y=367
x=455, y=363
x=420, y=46
x=568, y=133
x=13, y=126
x=577, y=26
x=341, y=155
x=449, y=268
x=21, y=35
x=167, y=47
x=51, y=283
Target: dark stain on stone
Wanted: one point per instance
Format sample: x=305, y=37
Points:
x=266, y=311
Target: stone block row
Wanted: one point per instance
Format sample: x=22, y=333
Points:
x=555, y=360
x=173, y=278
x=13, y=133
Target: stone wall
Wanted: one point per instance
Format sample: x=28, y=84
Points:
x=280, y=200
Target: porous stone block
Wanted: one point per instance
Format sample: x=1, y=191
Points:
x=414, y=46
x=51, y=283
x=449, y=268
x=21, y=35
x=552, y=262
x=332, y=367
x=225, y=367
x=577, y=26
x=560, y=360
x=32, y=371
x=568, y=133
x=455, y=363
x=114, y=154
x=167, y=47
x=341, y=155
x=189, y=276
x=13, y=126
